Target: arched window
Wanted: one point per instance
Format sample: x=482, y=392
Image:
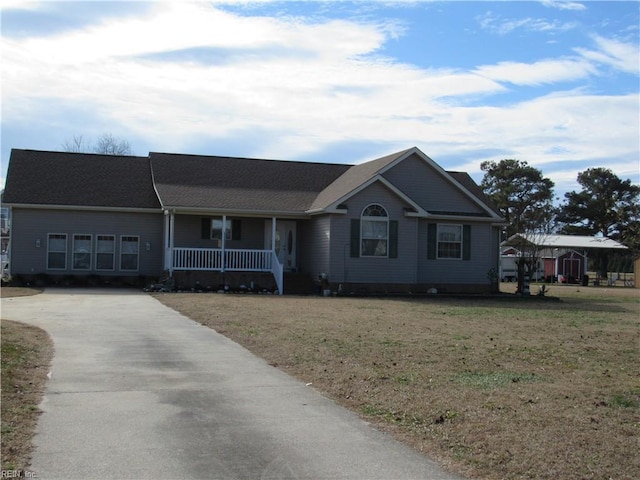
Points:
x=374, y=231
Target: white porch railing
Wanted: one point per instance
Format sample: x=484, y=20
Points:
x=215, y=259
x=197, y=259
x=278, y=272
x=212, y=259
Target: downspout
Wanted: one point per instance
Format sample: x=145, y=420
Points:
x=417, y=255
x=10, y=227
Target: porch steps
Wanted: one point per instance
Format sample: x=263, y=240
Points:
x=298, y=283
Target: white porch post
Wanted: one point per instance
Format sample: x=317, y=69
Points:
x=276, y=268
x=273, y=234
x=224, y=241
x=172, y=230
x=167, y=260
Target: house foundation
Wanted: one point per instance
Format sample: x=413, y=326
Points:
x=228, y=281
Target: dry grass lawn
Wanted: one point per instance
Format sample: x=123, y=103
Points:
x=516, y=388
x=26, y=355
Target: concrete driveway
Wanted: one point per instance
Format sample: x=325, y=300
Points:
x=140, y=391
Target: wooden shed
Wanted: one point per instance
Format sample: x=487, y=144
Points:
x=570, y=266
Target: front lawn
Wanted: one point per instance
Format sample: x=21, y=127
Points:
x=517, y=388
x=26, y=355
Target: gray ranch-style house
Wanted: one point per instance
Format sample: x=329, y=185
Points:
x=397, y=224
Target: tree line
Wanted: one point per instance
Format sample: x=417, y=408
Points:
x=605, y=205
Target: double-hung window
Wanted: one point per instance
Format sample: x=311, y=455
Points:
x=374, y=231
x=129, y=252
x=105, y=252
x=217, y=229
x=81, y=252
x=57, y=251
x=450, y=241
x=212, y=228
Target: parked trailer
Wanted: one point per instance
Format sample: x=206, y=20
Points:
x=509, y=269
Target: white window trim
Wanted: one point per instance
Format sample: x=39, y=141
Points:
x=438, y=241
x=377, y=219
x=66, y=240
x=113, y=253
x=73, y=251
x=122, y=237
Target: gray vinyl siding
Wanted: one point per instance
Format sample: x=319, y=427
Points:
x=31, y=227
x=188, y=233
x=313, y=245
x=428, y=188
x=345, y=268
x=454, y=271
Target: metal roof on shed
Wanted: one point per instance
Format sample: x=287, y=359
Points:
x=564, y=241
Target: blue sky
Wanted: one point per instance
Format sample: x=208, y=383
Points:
x=551, y=83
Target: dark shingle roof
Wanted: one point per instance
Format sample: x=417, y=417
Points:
x=352, y=179
x=79, y=179
x=192, y=181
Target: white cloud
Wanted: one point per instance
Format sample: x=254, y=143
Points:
x=496, y=24
x=563, y=5
x=335, y=87
x=19, y=5
x=299, y=86
x=537, y=73
x=572, y=129
x=619, y=55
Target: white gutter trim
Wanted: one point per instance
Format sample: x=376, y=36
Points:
x=35, y=206
x=238, y=213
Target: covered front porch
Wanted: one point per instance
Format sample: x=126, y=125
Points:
x=197, y=243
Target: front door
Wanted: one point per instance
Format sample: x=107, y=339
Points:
x=285, y=244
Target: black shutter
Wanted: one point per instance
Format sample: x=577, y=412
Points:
x=355, y=237
x=393, y=239
x=236, y=229
x=205, y=228
x=466, y=242
x=432, y=243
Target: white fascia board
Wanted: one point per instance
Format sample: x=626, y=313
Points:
x=35, y=206
x=321, y=211
x=237, y=213
x=467, y=218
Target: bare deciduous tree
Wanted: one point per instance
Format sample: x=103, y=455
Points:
x=107, y=144
x=76, y=145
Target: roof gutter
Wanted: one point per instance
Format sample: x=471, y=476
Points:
x=293, y=214
x=36, y=206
